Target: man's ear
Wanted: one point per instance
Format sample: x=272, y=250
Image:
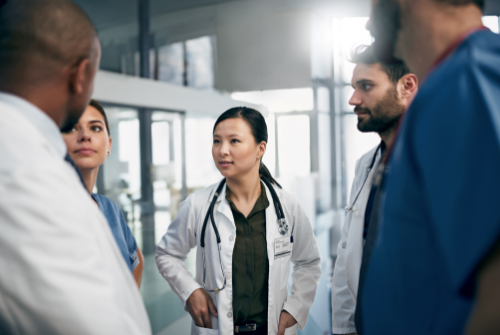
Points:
x=78, y=76
x=409, y=86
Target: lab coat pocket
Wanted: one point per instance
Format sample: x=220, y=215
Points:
x=285, y=270
x=292, y=330
x=205, y=331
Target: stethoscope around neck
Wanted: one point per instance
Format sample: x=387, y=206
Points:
x=283, y=227
x=374, y=159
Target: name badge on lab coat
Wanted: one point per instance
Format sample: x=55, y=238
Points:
x=282, y=246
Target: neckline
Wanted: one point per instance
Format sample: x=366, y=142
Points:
x=449, y=50
x=453, y=46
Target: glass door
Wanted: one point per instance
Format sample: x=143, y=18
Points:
x=121, y=179
x=168, y=177
x=121, y=172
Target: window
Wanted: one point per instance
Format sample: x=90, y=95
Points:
x=491, y=22
x=200, y=63
x=348, y=33
x=171, y=63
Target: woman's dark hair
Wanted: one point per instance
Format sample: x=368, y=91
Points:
x=258, y=126
x=98, y=106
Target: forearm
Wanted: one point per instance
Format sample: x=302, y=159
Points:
x=343, y=302
x=485, y=317
x=305, y=281
x=174, y=270
x=483, y=321
x=139, y=268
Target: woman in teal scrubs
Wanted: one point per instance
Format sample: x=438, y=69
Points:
x=89, y=143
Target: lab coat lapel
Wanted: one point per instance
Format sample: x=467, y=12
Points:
x=271, y=226
x=223, y=206
x=354, y=251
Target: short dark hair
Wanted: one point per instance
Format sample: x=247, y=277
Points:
x=365, y=54
x=479, y=3
x=99, y=108
x=55, y=32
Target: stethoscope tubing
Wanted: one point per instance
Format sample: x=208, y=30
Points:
x=283, y=226
x=374, y=159
x=211, y=215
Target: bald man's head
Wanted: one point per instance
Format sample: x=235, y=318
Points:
x=47, y=42
x=55, y=33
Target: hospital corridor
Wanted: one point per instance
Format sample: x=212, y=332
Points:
x=311, y=167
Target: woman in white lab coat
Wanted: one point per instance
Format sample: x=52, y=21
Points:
x=241, y=283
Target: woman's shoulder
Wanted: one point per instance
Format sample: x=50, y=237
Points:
x=201, y=196
x=106, y=204
x=287, y=198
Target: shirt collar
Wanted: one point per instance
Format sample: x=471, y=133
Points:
x=45, y=125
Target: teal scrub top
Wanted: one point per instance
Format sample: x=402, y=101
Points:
x=441, y=206
x=121, y=231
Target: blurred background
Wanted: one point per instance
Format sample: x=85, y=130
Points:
x=169, y=68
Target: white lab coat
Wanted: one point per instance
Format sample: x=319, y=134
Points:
x=184, y=234
x=350, y=249
x=61, y=271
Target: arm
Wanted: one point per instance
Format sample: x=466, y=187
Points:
x=485, y=318
x=139, y=268
x=51, y=250
x=172, y=251
x=459, y=170
x=343, y=302
x=170, y=258
x=135, y=253
x=306, y=270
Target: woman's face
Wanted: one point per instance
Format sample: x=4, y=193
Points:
x=234, y=149
x=89, y=143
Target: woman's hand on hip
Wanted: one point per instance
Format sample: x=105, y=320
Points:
x=286, y=321
x=200, y=305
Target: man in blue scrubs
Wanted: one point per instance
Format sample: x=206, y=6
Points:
x=435, y=268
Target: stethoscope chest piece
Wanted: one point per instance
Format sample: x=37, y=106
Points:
x=283, y=226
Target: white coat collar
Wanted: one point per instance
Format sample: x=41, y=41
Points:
x=45, y=125
x=223, y=205
x=225, y=209
x=223, y=193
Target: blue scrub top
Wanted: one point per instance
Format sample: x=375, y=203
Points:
x=441, y=212
x=121, y=231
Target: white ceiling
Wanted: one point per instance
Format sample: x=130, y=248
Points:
x=109, y=13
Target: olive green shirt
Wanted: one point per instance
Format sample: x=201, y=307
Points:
x=250, y=262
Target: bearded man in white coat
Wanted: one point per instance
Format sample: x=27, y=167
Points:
x=382, y=92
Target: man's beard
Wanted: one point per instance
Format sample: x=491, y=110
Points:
x=383, y=116
x=385, y=24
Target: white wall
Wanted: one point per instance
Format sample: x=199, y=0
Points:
x=137, y=92
x=260, y=48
